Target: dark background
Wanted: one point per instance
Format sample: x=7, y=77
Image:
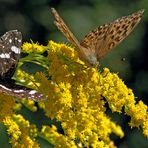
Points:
x=34, y=19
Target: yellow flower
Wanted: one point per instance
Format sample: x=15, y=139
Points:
x=26, y=79
x=58, y=140
x=138, y=114
x=21, y=133
x=76, y=97
x=145, y=127
x=33, y=47
x=12, y=128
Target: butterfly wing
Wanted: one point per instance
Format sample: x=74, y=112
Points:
x=64, y=29
x=83, y=52
x=10, y=44
x=10, y=48
x=21, y=91
x=95, y=37
x=104, y=38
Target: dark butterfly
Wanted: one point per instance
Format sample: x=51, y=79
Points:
x=10, y=49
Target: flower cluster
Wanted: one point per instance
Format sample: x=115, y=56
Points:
x=33, y=48
x=20, y=132
x=76, y=98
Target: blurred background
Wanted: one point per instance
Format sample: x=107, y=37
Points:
x=34, y=19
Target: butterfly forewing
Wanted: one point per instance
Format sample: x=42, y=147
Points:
x=64, y=29
x=106, y=37
x=68, y=34
x=95, y=37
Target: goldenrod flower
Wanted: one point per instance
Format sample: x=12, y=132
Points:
x=20, y=132
x=76, y=98
x=33, y=48
x=78, y=94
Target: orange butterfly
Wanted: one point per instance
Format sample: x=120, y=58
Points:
x=101, y=40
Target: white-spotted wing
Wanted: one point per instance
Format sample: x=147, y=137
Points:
x=10, y=49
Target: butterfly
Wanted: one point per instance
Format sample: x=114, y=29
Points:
x=10, y=49
x=97, y=43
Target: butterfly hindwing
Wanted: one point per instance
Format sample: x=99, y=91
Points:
x=21, y=92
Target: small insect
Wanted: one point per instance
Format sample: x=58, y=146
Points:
x=10, y=49
x=123, y=59
x=101, y=40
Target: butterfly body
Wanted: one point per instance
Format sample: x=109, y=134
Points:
x=10, y=49
x=101, y=40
